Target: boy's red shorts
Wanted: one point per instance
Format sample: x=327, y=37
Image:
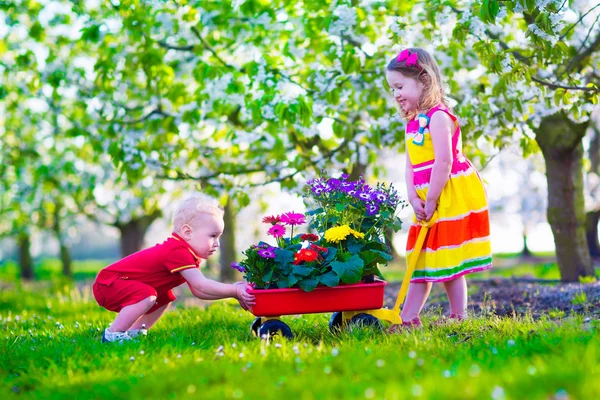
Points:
x=125, y=292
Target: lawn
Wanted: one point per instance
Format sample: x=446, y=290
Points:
x=51, y=349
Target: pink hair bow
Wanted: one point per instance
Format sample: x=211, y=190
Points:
x=409, y=59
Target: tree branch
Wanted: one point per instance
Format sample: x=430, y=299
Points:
x=209, y=48
x=578, y=21
x=157, y=111
x=164, y=44
x=581, y=56
x=566, y=87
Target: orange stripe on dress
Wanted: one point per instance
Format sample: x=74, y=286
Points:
x=452, y=233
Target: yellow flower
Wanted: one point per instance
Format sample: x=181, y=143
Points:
x=358, y=235
x=337, y=233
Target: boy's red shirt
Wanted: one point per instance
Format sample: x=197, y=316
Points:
x=157, y=266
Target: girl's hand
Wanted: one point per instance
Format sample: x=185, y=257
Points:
x=430, y=207
x=418, y=206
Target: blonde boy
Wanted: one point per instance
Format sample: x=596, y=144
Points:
x=139, y=287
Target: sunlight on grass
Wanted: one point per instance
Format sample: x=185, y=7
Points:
x=51, y=349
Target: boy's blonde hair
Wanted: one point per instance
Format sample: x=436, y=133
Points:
x=199, y=203
x=426, y=71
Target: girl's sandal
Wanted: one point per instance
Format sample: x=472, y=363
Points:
x=405, y=325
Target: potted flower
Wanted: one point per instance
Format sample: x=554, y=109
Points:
x=349, y=218
x=353, y=217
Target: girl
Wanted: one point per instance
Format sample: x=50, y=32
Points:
x=438, y=177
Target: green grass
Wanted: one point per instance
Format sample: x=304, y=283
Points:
x=50, y=348
x=51, y=269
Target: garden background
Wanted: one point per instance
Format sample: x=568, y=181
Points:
x=112, y=111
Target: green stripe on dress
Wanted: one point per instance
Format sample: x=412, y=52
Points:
x=440, y=273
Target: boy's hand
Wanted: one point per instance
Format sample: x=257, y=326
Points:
x=418, y=206
x=241, y=294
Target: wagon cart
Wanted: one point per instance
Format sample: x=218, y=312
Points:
x=360, y=303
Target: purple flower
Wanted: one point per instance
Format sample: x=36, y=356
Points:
x=277, y=230
x=372, y=209
x=292, y=218
x=347, y=186
x=237, y=266
x=334, y=183
x=345, y=176
x=379, y=197
x=364, y=196
x=267, y=253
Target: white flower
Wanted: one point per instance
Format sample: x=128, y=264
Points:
x=345, y=21
x=268, y=112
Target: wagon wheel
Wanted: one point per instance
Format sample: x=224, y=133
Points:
x=275, y=327
x=336, y=322
x=255, y=326
x=365, y=320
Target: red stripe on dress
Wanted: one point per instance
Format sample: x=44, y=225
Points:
x=452, y=233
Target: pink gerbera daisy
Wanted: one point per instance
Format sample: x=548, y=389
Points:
x=292, y=218
x=276, y=230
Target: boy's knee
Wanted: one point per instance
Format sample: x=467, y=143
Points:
x=150, y=301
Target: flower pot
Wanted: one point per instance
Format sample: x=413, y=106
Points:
x=358, y=296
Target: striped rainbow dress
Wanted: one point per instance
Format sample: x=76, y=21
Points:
x=459, y=242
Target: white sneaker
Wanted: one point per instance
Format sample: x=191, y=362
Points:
x=137, y=332
x=109, y=336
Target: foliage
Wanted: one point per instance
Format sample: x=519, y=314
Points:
x=350, y=218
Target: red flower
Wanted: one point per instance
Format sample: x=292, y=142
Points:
x=309, y=236
x=318, y=248
x=272, y=219
x=305, y=255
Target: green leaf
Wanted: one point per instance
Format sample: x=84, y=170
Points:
x=349, y=271
x=36, y=31
x=283, y=256
x=301, y=270
x=484, y=11
x=339, y=207
x=329, y=279
x=493, y=9
x=308, y=285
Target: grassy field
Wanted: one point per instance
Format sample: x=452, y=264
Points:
x=51, y=269
x=51, y=348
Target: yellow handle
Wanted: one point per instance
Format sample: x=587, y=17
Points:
x=412, y=261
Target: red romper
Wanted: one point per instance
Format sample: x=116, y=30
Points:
x=150, y=272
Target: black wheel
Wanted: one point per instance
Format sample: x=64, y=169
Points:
x=255, y=326
x=336, y=322
x=275, y=327
x=365, y=320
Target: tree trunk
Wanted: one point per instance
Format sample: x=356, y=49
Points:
x=358, y=169
x=591, y=232
x=591, y=218
x=132, y=233
x=65, y=255
x=525, y=253
x=25, y=260
x=561, y=144
x=228, y=274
